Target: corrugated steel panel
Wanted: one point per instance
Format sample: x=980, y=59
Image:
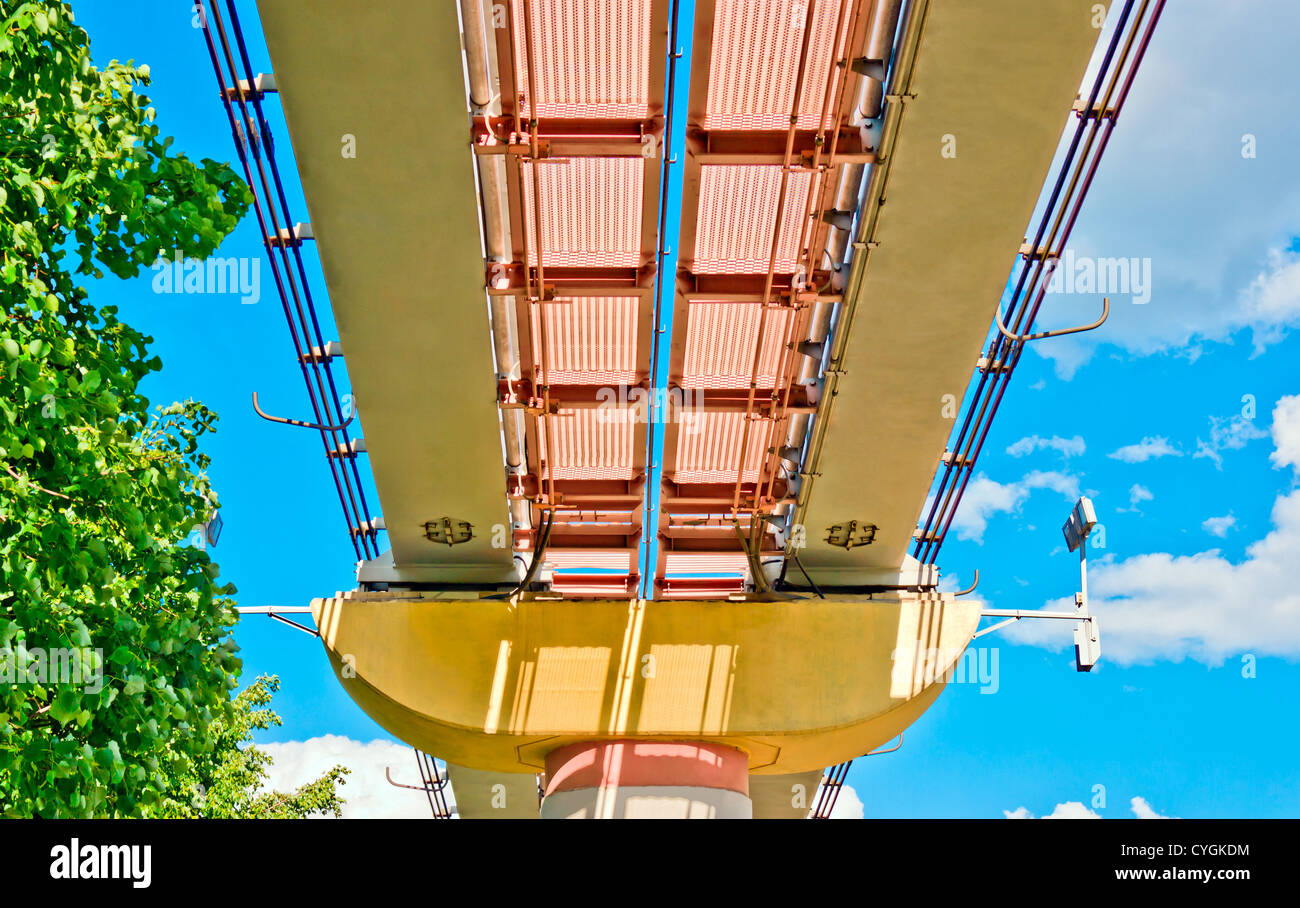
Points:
x=590, y=340
x=590, y=559
x=591, y=443
x=755, y=58
x=592, y=57
x=591, y=211
x=615, y=566
x=720, y=342
x=708, y=447
x=706, y=563
x=737, y=216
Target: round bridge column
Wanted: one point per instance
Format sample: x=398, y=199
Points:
x=646, y=780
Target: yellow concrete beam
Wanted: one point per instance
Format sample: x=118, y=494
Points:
x=493, y=685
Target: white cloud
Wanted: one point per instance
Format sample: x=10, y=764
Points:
x=1219, y=526
x=1227, y=434
x=1202, y=606
x=1068, y=447
x=985, y=497
x=1271, y=303
x=1138, y=494
x=1074, y=810
x=1144, y=811
x=1212, y=272
x=848, y=806
x=1286, y=432
x=1147, y=449
x=367, y=792
x=1069, y=810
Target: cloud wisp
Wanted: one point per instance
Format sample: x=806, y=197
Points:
x=1201, y=606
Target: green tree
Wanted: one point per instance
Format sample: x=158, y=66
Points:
x=96, y=494
x=227, y=783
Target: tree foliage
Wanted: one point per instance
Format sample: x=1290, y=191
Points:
x=96, y=493
x=227, y=784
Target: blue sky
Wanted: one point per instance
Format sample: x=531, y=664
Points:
x=1168, y=716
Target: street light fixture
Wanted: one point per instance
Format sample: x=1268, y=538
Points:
x=1087, y=643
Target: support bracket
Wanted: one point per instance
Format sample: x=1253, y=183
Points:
x=298, y=422
x=1105, y=314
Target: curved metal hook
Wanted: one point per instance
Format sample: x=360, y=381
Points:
x=1105, y=314
x=388, y=774
x=888, y=750
x=971, y=588
x=298, y=422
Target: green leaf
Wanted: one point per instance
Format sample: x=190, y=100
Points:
x=66, y=705
x=123, y=656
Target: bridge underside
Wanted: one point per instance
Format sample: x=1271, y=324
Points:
x=484, y=186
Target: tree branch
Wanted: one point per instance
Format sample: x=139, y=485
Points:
x=20, y=477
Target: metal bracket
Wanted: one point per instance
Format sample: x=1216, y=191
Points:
x=262, y=84
x=277, y=612
x=970, y=589
x=1097, y=112
x=873, y=68
x=291, y=236
x=299, y=422
x=1087, y=640
x=388, y=774
x=448, y=530
x=352, y=448
x=833, y=781
x=852, y=534
x=322, y=355
x=433, y=784
x=1105, y=314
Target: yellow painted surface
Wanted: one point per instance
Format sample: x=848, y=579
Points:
x=798, y=685
x=998, y=77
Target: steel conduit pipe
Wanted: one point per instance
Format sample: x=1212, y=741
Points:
x=476, y=54
x=846, y=199
x=837, y=242
x=871, y=97
x=492, y=182
x=884, y=24
x=880, y=44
